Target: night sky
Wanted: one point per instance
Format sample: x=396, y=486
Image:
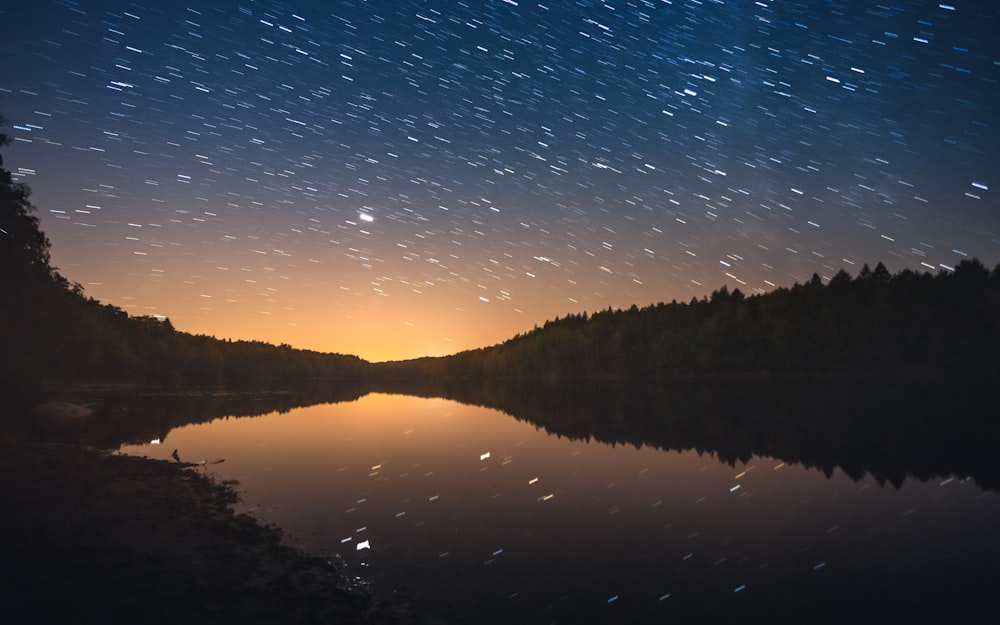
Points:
x=397, y=178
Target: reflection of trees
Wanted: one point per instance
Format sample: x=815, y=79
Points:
x=891, y=431
x=138, y=416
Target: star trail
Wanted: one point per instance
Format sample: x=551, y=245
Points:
x=397, y=178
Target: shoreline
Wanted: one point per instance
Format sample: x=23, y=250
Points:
x=94, y=536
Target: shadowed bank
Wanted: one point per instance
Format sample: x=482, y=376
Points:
x=91, y=537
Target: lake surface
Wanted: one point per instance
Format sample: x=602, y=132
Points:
x=474, y=515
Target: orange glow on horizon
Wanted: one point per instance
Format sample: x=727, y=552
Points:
x=373, y=339
x=362, y=313
x=376, y=330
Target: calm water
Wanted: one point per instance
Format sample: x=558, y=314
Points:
x=472, y=514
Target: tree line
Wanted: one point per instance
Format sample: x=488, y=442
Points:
x=56, y=336
x=60, y=337
x=52, y=334
x=877, y=323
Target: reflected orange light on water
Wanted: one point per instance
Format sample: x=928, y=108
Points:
x=397, y=438
x=377, y=429
x=432, y=494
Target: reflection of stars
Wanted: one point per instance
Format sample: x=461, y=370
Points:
x=534, y=159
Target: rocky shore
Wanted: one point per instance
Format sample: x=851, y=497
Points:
x=96, y=537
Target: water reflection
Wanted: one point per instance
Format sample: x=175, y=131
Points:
x=124, y=416
x=476, y=515
x=889, y=431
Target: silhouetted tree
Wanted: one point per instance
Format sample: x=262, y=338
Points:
x=26, y=282
x=24, y=248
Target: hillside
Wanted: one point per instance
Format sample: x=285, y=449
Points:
x=876, y=323
x=52, y=334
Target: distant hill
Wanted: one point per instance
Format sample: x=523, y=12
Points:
x=907, y=324
x=54, y=335
x=51, y=334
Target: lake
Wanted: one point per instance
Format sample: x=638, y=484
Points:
x=477, y=516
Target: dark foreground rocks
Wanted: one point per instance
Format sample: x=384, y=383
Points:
x=93, y=537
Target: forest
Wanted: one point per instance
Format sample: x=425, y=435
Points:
x=53, y=335
x=908, y=324
x=878, y=323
